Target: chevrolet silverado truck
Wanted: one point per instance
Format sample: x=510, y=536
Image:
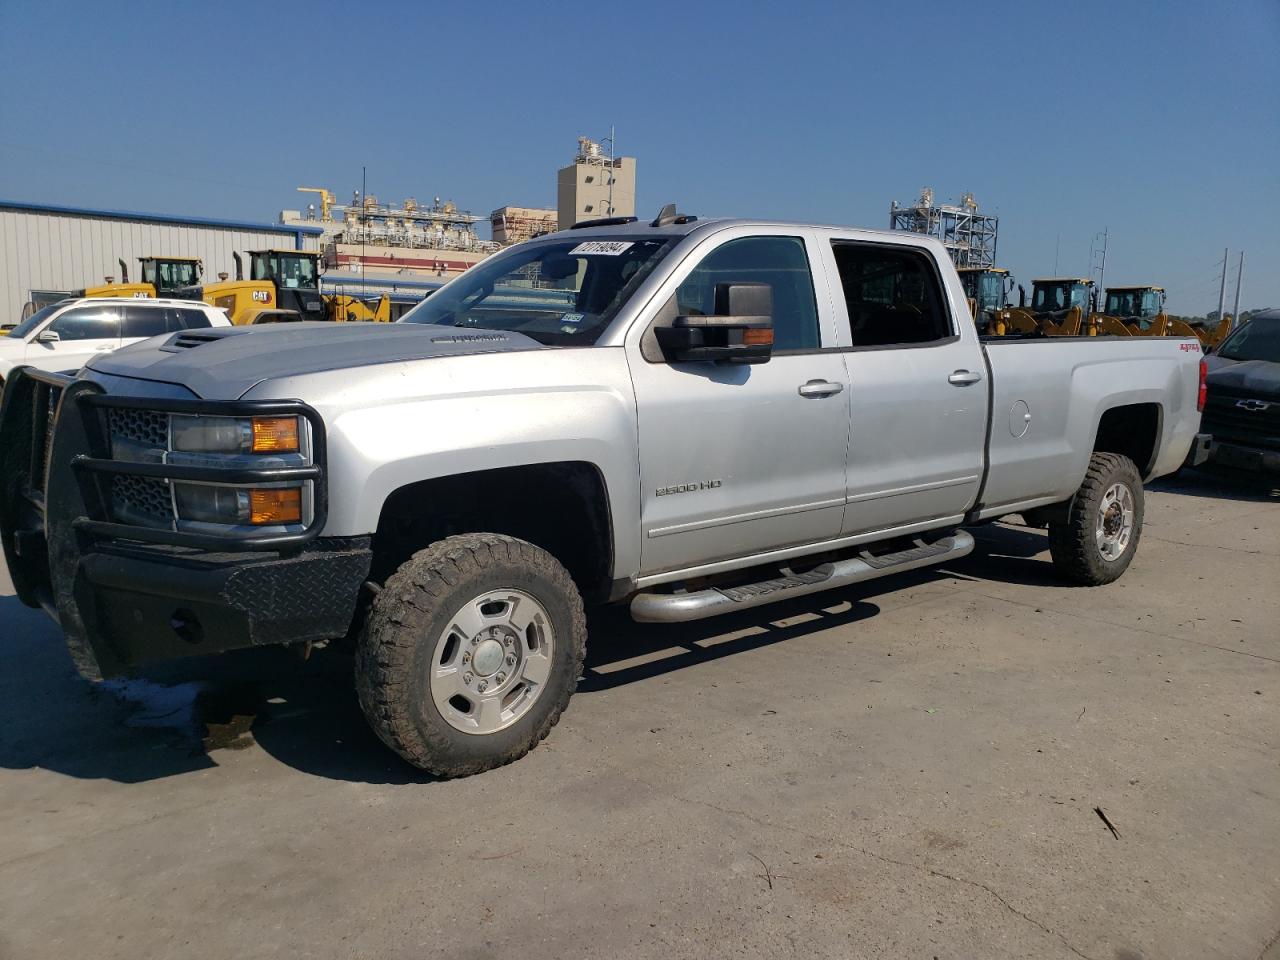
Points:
x=691, y=417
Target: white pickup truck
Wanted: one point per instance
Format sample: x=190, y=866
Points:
x=691, y=417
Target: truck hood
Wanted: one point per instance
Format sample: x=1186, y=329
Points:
x=224, y=363
x=1258, y=377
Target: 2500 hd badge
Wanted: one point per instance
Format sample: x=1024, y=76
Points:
x=687, y=487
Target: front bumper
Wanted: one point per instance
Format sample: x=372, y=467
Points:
x=147, y=604
x=126, y=595
x=1239, y=456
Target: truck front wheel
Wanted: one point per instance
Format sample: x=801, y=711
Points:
x=470, y=653
x=1098, y=538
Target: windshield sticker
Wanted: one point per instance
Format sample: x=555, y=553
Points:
x=572, y=318
x=603, y=248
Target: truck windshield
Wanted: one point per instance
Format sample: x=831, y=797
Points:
x=1259, y=339
x=560, y=293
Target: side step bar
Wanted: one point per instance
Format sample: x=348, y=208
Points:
x=653, y=607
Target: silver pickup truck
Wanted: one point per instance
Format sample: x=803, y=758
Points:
x=688, y=416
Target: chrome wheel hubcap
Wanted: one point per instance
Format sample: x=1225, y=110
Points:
x=1115, y=521
x=490, y=664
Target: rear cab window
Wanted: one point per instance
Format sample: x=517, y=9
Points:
x=892, y=294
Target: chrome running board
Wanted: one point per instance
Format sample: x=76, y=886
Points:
x=652, y=607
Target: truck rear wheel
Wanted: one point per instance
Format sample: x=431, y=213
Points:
x=1098, y=538
x=471, y=653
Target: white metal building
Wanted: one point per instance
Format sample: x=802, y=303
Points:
x=46, y=248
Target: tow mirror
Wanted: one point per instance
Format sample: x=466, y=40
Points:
x=48, y=336
x=740, y=331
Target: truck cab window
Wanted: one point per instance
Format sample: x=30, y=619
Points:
x=780, y=262
x=892, y=296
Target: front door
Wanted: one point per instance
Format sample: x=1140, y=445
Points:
x=740, y=459
x=82, y=333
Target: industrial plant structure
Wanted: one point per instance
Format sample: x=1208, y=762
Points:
x=517, y=224
x=368, y=244
x=970, y=237
x=595, y=185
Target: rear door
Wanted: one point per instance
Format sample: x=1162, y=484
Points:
x=82, y=333
x=917, y=390
x=738, y=459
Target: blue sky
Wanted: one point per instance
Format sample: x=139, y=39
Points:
x=1157, y=121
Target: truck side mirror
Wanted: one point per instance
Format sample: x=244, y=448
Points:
x=740, y=331
x=48, y=336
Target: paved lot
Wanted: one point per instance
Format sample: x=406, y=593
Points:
x=907, y=769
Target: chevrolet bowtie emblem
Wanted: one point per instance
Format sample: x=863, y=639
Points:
x=1253, y=405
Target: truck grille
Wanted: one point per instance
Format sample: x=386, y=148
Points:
x=1227, y=421
x=147, y=427
x=142, y=498
x=140, y=436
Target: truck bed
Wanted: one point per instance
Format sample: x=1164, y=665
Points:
x=1062, y=385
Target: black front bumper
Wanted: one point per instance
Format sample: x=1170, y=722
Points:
x=142, y=605
x=1243, y=456
x=128, y=596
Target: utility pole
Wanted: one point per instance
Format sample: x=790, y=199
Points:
x=611, y=151
x=1057, y=245
x=1235, y=311
x=364, y=233
x=1222, y=287
x=1102, y=267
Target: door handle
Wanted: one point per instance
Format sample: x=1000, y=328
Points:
x=962, y=378
x=820, y=388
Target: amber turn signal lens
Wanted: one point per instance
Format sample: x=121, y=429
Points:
x=275, y=506
x=275, y=434
x=757, y=337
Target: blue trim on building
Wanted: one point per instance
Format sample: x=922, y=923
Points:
x=299, y=231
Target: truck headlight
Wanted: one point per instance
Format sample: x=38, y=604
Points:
x=235, y=434
x=213, y=503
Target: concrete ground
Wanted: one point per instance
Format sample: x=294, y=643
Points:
x=914, y=768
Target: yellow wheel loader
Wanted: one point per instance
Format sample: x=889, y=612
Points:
x=161, y=276
x=1140, y=310
x=987, y=289
x=283, y=285
x=1060, y=307
x=344, y=307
